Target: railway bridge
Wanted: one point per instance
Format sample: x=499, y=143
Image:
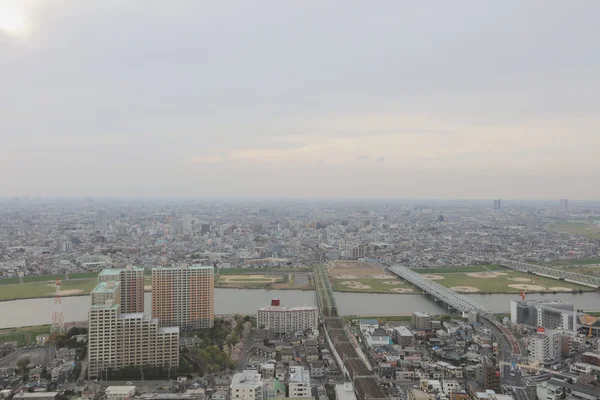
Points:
x=582, y=279
x=457, y=301
x=366, y=385
x=440, y=292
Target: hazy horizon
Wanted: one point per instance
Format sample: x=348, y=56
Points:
x=465, y=100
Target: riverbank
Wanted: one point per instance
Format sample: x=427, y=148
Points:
x=242, y=301
x=346, y=277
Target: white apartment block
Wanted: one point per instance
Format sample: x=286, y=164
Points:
x=284, y=319
x=116, y=339
x=184, y=297
x=544, y=346
x=299, y=382
x=246, y=385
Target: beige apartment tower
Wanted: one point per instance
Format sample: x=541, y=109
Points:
x=117, y=340
x=132, y=286
x=184, y=297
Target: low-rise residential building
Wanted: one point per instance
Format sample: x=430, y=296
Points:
x=317, y=369
x=344, y=391
x=119, y=392
x=403, y=336
x=421, y=321
x=368, y=325
x=246, y=385
x=299, y=382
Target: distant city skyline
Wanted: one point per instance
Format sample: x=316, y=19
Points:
x=279, y=99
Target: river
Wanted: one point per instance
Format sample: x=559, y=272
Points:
x=245, y=301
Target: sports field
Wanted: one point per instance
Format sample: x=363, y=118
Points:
x=252, y=281
x=382, y=284
x=499, y=281
x=46, y=288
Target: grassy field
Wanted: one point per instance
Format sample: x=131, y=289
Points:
x=252, y=282
x=593, y=313
x=583, y=228
x=469, y=268
x=249, y=279
x=83, y=275
x=259, y=271
x=44, y=288
x=376, y=285
x=20, y=334
x=500, y=283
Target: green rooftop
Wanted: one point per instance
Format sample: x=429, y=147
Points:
x=105, y=287
x=110, y=271
x=117, y=271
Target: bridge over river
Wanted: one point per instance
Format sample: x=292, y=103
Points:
x=458, y=302
x=366, y=384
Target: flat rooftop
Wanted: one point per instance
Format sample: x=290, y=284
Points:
x=420, y=314
x=368, y=322
x=248, y=379
x=183, y=268
x=106, y=287
x=110, y=271
x=287, y=308
x=299, y=375
x=106, y=306
x=119, y=389
x=35, y=395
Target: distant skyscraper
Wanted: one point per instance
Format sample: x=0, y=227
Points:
x=102, y=221
x=564, y=205
x=184, y=297
x=187, y=223
x=204, y=229
x=497, y=204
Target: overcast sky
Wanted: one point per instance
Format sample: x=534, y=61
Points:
x=386, y=99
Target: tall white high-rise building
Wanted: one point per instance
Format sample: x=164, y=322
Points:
x=102, y=221
x=117, y=340
x=187, y=223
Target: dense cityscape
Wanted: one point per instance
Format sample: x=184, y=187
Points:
x=113, y=254
x=299, y=200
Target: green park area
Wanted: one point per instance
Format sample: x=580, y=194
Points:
x=23, y=336
x=498, y=280
x=260, y=271
x=46, y=288
x=590, y=229
x=370, y=285
x=253, y=281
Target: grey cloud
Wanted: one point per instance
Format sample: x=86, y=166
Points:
x=141, y=88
